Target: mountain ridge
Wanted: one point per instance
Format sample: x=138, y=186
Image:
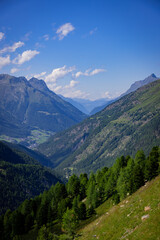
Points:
x=126, y=125
x=29, y=106
x=132, y=88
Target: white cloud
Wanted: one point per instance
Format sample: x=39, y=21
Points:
x=71, y=84
x=12, y=48
x=4, y=61
x=46, y=37
x=64, y=30
x=74, y=94
x=40, y=75
x=58, y=73
x=89, y=73
x=1, y=35
x=56, y=89
x=107, y=94
x=14, y=70
x=25, y=56
x=96, y=71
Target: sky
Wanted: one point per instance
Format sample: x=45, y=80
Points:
x=87, y=49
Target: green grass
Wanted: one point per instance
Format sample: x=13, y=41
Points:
x=40, y=136
x=123, y=221
x=37, y=136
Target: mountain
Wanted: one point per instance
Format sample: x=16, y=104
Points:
x=21, y=177
x=131, y=123
x=85, y=105
x=100, y=108
x=126, y=193
x=140, y=83
x=30, y=112
x=75, y=104
x=43, y=160
x=89, y=105
x=133, y=88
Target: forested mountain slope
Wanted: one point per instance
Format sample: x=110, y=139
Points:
x=21, y=177
x=66, y=208
x=131, y=123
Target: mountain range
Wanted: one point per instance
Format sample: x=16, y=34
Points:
x=130, y=123
x=86, y=105
x=132, y=88
x=30, y=111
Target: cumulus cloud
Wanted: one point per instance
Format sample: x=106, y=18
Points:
x=64, y=30
x=56, y=89
x=40, y=75
x=4, y=61
x=1, y=35
x=14, y=70
x=74, y=94
x=107, y=95
x=71, y=84
x=58, y=73
x=12, y=48
x=25, y=56
x=88, y=72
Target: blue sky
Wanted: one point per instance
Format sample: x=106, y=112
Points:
x=87, y=49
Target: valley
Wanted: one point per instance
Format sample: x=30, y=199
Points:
x=123, y=127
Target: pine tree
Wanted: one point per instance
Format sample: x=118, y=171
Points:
x=44, y=234
x=82, y=211
x=70, y=222
x=73, y=186
x=152, y=164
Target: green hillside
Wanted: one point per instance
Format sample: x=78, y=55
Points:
x=21, y=177
x=129, y=124
x=66, y=211
x=125, y=220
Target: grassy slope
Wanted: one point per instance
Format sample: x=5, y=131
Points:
x=123, y=221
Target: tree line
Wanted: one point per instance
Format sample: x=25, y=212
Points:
x=56, y=213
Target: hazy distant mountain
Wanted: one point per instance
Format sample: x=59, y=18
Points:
x=140, y=83
x=29, y=106
x=133, y=88
x=85, y=105
x=75, y=104
x=90, y=105
x=125, y=126
x=98, y=109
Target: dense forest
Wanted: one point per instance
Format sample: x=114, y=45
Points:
x=21, y=177
x=56, y=213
